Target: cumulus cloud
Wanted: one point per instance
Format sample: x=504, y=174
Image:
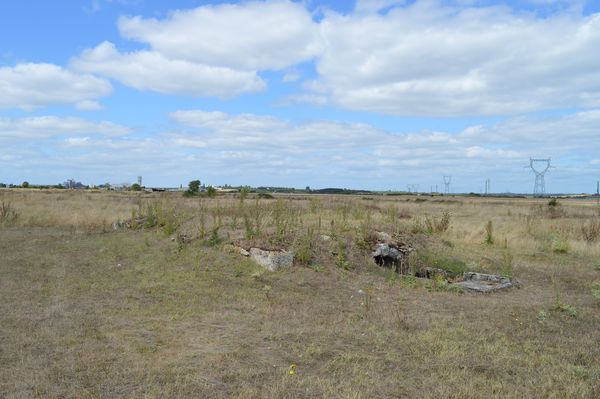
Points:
x=430, y=59
x=212, y=50
x=151, y=70
x=88, y=105
x=337, y=150
x=255, y=35
x=262, y=149
x=24, y=129
x=28, y=86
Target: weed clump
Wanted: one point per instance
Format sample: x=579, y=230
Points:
x=560, y=244
x=7, y=213
x=489, y=233
x=590, y=231
x=559, y=305
x=596, y=290
x=431, y=224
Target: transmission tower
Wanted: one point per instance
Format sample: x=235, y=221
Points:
x=539, y=166
x=447, y=180
x=488, y=186
x=412, y=188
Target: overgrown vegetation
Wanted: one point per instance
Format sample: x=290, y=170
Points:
x=89, y=308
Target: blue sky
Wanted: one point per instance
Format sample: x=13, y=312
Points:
x=376, y=94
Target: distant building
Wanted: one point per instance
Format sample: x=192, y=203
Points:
x=73, y=185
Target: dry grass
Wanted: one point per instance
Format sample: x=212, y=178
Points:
x=86, y=311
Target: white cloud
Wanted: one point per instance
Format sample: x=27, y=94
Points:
x=291, y=76
x=258, y=149
x=29, y=86
x=150, y=70
x=254, y=35
x=375, y=5
x=89, y=105
x=210, y=50
x=430, y=59
x=51, y=126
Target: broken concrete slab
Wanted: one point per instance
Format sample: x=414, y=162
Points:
x=392, y=256
x=486, y=282
x=272, y=260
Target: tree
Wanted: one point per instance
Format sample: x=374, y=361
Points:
x=193, y=188
x=25, y=184
x=211, y=191
x=136, y=187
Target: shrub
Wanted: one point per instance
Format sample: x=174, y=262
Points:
x=211, y=192
x=135, y=187
x=7, y=213
x=304, y=247
x=596, y=289
x=489, y=233
x=453, y=266
x=560, y=244
x=25, y=184
x=437, y=225
x=265, y=196
x=507, y=264
x=558, y=302
x=590, y=231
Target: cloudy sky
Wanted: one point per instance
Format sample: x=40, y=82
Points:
x=374, y=94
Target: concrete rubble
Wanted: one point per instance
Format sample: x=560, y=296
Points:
x=272, y=260
x=485, y=282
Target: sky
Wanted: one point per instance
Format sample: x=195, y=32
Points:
x=371, y=94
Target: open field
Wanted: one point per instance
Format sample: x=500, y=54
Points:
x=166, y=307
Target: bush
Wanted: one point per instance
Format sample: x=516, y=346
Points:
x=25, y=184
x=596, y=289
x=265, y=196
x=136, y=187
x=489, y=233
x=193, y=188
x=437, y=225
x=210, y=191
x=560, y=244
x=7, y=213
x=590, y=231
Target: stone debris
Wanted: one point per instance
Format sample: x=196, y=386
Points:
x=394, y=256
x=485, y=282
x=242, y=251
x=272, y=260
x=383, y=237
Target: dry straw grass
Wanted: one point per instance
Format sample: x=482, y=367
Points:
x=86, y=311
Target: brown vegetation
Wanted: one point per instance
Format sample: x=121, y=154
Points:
x=160, y=307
